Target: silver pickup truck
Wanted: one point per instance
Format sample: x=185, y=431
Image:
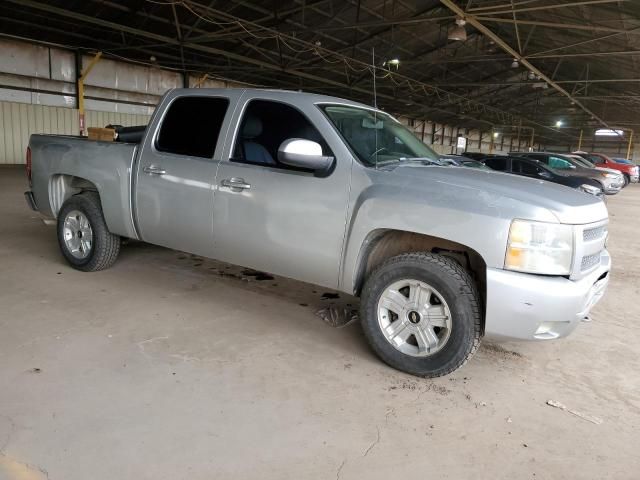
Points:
x=338, y=194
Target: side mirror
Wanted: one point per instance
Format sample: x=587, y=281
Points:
x=298, y=152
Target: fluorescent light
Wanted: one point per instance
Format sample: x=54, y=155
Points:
x=607, y=132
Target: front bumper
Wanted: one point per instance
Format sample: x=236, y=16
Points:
x=612, y=188
x=523, y=306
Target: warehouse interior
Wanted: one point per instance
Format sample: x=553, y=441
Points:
x=174, y=365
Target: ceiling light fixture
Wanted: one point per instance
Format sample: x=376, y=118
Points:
x=458, y=33
x=515, y=63
x=394, y=61
x=559, y=123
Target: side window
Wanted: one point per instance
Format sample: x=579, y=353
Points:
x=497, y=163
x=264, y=126
x=525, y=168
x=559, y=163
x=543, y=158
x=191, y=126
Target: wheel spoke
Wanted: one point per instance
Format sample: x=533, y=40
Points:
x=437, y=316
x=397, y=332
x=426, y=338
x=71, y=223
x=393, y=300
x=419, y=295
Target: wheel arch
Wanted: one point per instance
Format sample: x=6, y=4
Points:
x=382, y=244
x=63, y=186
x=116, y=201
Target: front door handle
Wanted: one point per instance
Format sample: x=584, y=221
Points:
x=236, y=184
x=153, y=170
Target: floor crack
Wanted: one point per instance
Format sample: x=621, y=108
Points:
x=375, y=442
x=9, y=435
x=340, y=469
x=141, y=345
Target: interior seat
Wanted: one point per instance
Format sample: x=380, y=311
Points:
x=254, y=151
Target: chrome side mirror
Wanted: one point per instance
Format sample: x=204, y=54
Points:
x=301, y=153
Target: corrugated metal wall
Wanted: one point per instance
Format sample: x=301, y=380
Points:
x=102, y=119
x=19, y=120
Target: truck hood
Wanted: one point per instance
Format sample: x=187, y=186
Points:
x=568, y=205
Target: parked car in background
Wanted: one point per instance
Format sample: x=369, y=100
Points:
x=588, y=164
x=629, y=172
x=626, y=161
x=460, y=161
x=610, y=183
x=338, y=194
x=528, y=167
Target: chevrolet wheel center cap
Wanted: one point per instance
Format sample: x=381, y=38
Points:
x=414, y=317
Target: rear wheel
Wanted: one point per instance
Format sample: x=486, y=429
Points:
x=420, y=313
x=84, y=239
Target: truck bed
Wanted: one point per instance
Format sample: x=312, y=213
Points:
x=62, y=163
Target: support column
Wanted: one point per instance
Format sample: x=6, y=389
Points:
x=580, y=141
x=80, y=87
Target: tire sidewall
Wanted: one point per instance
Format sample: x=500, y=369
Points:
x=463, y=330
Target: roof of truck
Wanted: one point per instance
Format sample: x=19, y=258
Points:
x=276, y=93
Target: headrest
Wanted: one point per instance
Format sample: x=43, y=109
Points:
x=252, y=127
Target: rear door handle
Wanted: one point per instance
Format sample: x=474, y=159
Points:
x=236, y=184
x=153, y=170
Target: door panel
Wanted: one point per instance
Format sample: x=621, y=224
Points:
x=174, y=192
x=174, y=208
x=287, y=223
x=282, y=221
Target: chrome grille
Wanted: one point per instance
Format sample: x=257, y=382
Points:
x=589, y=261
x=591, y=234
x=589, y=244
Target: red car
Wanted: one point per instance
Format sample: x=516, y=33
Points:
x=629, y=171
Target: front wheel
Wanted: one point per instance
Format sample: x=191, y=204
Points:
x=420, y=313
x=83, y=236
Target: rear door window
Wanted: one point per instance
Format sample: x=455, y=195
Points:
x=191, y=126
x=498, y=163
x=525, y=168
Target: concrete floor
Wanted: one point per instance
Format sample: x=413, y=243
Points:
x=163, y=368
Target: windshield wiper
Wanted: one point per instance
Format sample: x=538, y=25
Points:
x=428, y=160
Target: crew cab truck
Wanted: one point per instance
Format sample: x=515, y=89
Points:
x=338, y=194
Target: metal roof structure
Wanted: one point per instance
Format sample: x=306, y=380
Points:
x=528, y=62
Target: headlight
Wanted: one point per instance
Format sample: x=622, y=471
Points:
x=537, y=247
x=590, y=189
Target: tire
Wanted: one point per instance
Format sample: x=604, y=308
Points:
x=97, y=248
x=627, y=180
x=455, y=290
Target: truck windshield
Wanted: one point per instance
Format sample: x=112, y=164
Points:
x=377, y=138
